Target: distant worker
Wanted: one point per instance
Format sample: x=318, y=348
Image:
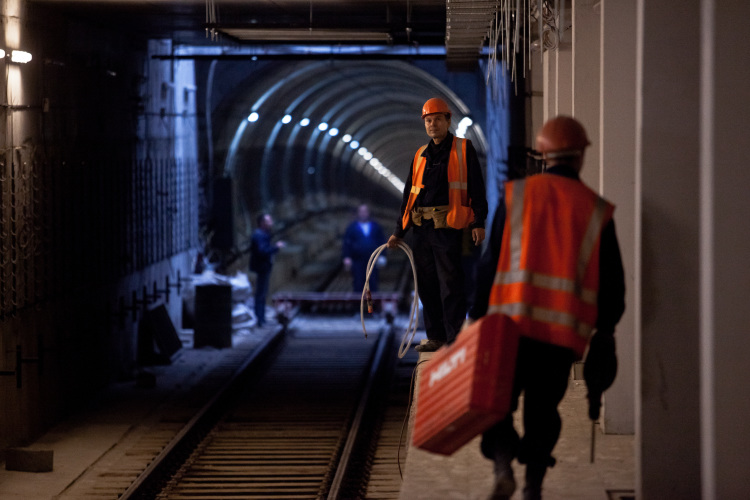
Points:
x=362, y=237
x=559, y=276
x=443, y=195
x=261, y=262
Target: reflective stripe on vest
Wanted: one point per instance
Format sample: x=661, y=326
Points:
x=559, y=308
x=540, y=314
x=461, y=184
x=416, y=182
x=459, y=214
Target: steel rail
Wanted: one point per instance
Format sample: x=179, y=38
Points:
x=198, y=425
x=293, y=429
x=384, y=341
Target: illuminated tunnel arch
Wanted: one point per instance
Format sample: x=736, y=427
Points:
x=289, y=169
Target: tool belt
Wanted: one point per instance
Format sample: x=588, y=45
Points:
x=437, y=214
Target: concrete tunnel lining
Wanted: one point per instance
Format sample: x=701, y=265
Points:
x=367, y=100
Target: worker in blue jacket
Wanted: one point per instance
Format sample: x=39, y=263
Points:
x=362, y=237
x=262, y=251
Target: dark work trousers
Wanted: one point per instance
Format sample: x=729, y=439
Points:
x=542, y=372
x=359, y=276
x=261, y=291
x=440, y=278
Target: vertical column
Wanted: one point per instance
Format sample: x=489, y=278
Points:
x=549, y=75
x=617, y=181
x=6, y=35
x=564, y=66
x=586, y=63
x=667, y=173
x=535, y=111
x=725, y=246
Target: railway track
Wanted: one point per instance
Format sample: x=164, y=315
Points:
x=319, y=415
x=309, y=425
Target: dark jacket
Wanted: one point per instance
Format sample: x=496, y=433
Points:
x=359, y=247
x=261, y=251
x=611, y=298
x=435, y=180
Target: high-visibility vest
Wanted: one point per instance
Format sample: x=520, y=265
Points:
x=547, y=276
x=460, y=214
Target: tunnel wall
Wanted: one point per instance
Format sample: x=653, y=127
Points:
x=294, y=171
x=98, y=189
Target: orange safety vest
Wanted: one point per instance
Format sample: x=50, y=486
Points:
x=460, y=214
x=547, y=276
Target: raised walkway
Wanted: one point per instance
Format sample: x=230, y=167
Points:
x=467, y=475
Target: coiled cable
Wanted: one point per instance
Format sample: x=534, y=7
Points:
x=411, y=328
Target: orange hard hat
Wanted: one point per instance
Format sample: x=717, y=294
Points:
x=435, y=105
x=562, y=136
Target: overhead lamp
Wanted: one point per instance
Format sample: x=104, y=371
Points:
x=306, y=35
x=304, y=122
x=323, y=127
x=333, y=132
x=354, y=144
x=253, y=117
x=286, y=119
x=346, y=138
x=19, y=56
x=463, y=126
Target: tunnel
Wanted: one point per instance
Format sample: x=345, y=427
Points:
x=308, y=137
x=141, y=137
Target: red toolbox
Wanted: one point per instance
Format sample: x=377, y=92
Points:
x=466, y=387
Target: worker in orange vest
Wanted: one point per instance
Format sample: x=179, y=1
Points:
x=444, y=194
x=559, y=276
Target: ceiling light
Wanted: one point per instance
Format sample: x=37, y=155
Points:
x=463, y=126
x=333, y=132
x=466, y=122
x=346, y=138
x=253, y=117
x=286, y=119
x=354, y=144
x=307, y=35
x=323, y=127
x=19, y=56
x=304, y=122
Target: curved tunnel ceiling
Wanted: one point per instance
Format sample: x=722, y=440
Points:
x=286, y=167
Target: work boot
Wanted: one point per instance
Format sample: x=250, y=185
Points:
x=534, y=477
x=532, y=493
x=430, y=346
x=505, y=483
